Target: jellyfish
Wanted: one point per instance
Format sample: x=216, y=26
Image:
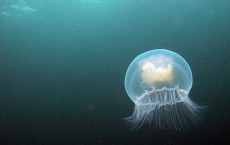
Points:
x=158, y=82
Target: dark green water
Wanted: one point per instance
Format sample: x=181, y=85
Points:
x=62, y=68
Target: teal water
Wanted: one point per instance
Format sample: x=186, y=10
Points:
x=63, y=63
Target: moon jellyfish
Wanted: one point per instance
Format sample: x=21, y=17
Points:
x=158, y=82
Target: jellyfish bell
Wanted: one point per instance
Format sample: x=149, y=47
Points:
x=159, y=82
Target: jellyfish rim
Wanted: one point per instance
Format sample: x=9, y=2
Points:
x=179, y=113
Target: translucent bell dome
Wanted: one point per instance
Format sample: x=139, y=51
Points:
x=157, y=69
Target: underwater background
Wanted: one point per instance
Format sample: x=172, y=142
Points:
x=63, y=63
